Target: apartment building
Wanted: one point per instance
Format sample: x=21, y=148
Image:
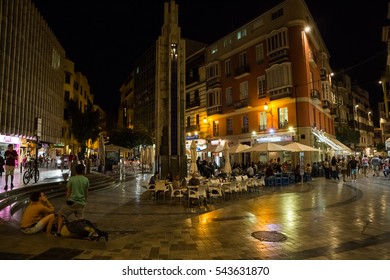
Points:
x=126, y=107
x=269, y=81
x=76, y=88
x=362, y=120
x=196, y=111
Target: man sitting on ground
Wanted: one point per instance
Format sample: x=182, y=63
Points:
x=38, y=214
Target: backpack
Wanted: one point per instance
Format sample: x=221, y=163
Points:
x=84, y=229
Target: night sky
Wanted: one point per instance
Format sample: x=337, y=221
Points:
x=104, y=37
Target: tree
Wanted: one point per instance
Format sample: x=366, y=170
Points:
x=84, y=125
x=348, y=135
x=131, y=138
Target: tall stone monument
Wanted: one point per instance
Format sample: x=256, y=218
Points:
x=170, y=96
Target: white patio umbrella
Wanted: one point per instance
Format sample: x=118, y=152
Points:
x=227, y=168
x=214, y=149
x=298, y=147
x=193, y=167
x=239, y=148
x=268, y=147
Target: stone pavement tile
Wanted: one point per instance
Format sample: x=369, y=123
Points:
x=320, y=222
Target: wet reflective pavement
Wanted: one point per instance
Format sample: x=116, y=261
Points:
x=321, y=219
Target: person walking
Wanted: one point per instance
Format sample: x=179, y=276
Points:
x=365, y=165
x=326, y=168
x=2, y=163
x=10, y=157
x=353, y=164
x=334, y=168
x=375, y=162
x=343, y=168
x=76, y=197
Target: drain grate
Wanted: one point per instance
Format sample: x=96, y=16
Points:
x=269, y=236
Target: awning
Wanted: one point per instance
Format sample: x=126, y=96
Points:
x=346, y=149
x=331, y=142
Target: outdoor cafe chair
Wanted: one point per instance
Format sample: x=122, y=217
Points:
x=161, y=187
x=175, y=193
x=215, y=192
x=151, y=188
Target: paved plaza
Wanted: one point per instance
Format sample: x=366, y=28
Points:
x=321, y=219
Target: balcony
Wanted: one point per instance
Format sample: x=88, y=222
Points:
x=241, y=103
x=193, y=104
x=282, y=125
x=262, y=127
x=326, y=106
x=242, y=71
x=278, y=56
x=193, y=128
x=316, y=96
x=214, y=82
x=212, y=110
x=312, y=59
x=280, y=93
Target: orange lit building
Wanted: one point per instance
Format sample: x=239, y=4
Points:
x=269, y=81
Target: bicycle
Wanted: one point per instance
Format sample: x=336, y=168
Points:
x=30, y=173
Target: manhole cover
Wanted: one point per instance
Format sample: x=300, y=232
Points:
x=269, y=236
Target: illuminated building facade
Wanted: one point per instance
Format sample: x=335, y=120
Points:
x=31, y=76
x=269, y=81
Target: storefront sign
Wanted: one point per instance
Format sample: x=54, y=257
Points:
x=274, y=138
x=9, y=139
x=192, y=137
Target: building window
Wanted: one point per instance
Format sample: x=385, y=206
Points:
x=229, y=126
x=227, y=41
x=213, y=70
x=245, y=124
x=283, y=117
x=67, y=95
x=263, y=121
x=229, y=96
x=196, y=95
x=261, y=87
x=197, y=119
x=188, y=98
x=242, y=60
x=214, y=98
x=242, y=33
x=279, y=76
x=188, y=121
x=260, y=53
x=277, y=41
x=228, y=68
x=277, y=14
x=244, y=90
x=67, y=78
x=216, y=128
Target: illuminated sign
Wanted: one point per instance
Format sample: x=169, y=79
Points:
x=192, y=137
x=9, y=139
x=280, y=138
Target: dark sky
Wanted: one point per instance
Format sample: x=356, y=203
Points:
x=104, y=37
